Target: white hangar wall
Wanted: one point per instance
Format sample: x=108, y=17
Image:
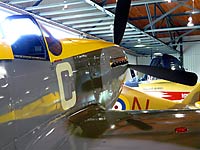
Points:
x=191, y=55
x=140, y=60
x=132, y=60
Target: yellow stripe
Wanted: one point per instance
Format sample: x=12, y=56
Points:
x=126, y=101
x=73, y=47
x=49, y=104
x=6, y=51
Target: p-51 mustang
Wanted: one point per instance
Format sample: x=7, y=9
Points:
x=55, y=94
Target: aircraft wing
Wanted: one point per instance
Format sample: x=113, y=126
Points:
x=94, y=128
x=169, y=129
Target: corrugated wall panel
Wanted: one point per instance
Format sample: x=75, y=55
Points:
x=137, y=60
x=132, y=60
x=144, y=60
x=191, y=59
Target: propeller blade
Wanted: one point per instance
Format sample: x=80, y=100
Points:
x=178, y=76
x=121, y=18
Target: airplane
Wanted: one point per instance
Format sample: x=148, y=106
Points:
x=136, y=99
x=151, y=93
x=56, y=94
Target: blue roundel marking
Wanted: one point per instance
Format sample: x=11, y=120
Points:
x=122, y=103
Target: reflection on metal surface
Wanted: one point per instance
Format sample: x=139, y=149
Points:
x=3, y=72
x=112, y=126
x=46, y=105
x=179, y=115
x=51, y=131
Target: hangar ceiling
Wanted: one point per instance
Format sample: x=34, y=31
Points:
x=149, y=21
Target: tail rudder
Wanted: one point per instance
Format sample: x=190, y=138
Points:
x=193, y=98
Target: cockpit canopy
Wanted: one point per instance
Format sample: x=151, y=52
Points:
x=29, y=38
x=166, y=61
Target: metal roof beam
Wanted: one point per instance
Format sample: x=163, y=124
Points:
x=149, y=17
x=163, y=16
x=21, y=2
x=170, y=15
x=92, y=25
x=140, y=2
x=174, y=29
x=96, y=29
x=90, y=2
x=135, y=36
x=109, y=36
x=54, y=5
x=110, y=30
x=126, y=33
x=140, y=36
x=142, y=41
x=101, y=32
x=87, y=20
x=65, y=11
x=81, y=15
x=40, y=7
x=184, y=34
x=169, y=22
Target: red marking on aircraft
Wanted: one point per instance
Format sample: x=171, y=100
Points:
x=116, y=107
x=136, y=102
x=175, y=95
x=181, y=130
x=170, y=95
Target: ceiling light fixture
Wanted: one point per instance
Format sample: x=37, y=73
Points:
x=140, y=45
x=169, y=1
x=65, y=5
x=111, y=27
x=190, y=21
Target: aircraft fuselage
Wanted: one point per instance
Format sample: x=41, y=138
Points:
x=40, y=81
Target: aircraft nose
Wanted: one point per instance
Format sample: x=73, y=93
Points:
x=101, y=77
x=113, y=65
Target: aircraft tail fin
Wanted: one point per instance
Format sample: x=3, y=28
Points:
x=193, y=98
